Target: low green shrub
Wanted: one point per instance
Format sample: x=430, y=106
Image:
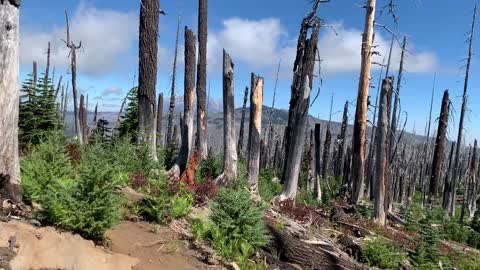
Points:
x=181, y=204
x=154, y=206
x=46, y=164
x=267, y=186
x=238, y=228
x=306, y=197
x=209, y=168
x=382, y=254
x=235, y=228
x=455, y=231
x=80, y=200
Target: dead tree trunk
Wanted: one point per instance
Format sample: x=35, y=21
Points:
x=317, y=189
x=302, y=67
x=341, y=143
x=9, y=98
x=187, y=123
x=255, y=130
x=381, y=159
x=472, y=183
x=147, y=71
x=47, y=68
x=159, y=117
x=171, y=108
x=393, y=127
x=242, y=123
x=360, y=125
x=311, y=163
x=299, y=102
x=229, y=152
x=65, y=105
x=439, y=153
x=202, y=79
x=73, y=65
x=326, y=153
x=35, y=78
x=462, y=116
x=270, y=117
x=447, y=187
x=83, y=116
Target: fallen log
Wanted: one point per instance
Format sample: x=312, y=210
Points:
x=310, y=257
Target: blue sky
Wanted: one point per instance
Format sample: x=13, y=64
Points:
x=258, y=34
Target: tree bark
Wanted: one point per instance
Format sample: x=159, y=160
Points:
x=255, y=130
x=472, y=185
x=393, y=127
x=462, y=116
x=73, y=65
x=242, y=123
x=202, y=79
x=303, y=67
x=439, y=153
x=9, y=99
x=326, y=153
x=360, y=125
x=341, y=143
x=159, y=118
x=83, y=119
x=187, y=123
x=229, y=146
x=147, y=71
x=171, y=108
x=447, y=188
x=317, y=188
x=381, y=160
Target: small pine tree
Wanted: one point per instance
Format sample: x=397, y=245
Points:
x=38, y=111
x=129, y=121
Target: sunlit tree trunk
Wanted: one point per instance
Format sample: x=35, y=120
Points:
x=9, y=98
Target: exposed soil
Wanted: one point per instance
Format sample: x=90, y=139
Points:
x=155, y=247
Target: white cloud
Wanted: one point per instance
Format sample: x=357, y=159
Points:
x=261, y=43
x=105, y=34
x=115, y=91
x=254, y=42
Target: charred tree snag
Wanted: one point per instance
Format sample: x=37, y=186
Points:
x=360, y=124
x=341, y=143
x=447, y=187
x=159, y=117
x=202, y=79
x=302, y=68
x=187, y=123
x=270, y=117
x=471, y=204
x=242, y=123
x=83, y=118
x=73, y=65
x=381, y=159
x=147, y=71
x=393, y=127
x=439, y=153
x=317, y=189
x=255, y=130
x=326, y=153
x=462, y=116
x=9, y=98
x=311, y=174
x=171, y=109
x=229, y=152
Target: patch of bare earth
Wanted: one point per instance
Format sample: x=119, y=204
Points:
x=155, y=247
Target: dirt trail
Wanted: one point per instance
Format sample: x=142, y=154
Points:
x=47, y=248
x=156, y=248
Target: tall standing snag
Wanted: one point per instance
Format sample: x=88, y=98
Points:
x=202, y=78
x=299, y=102
x=147, y=71
x=73, y=65
x=159, y=117
x=9, y=98
x=381, y=160
x=360, y=124
x=317, y=187
x=462, y=116
x=242, y=122
x=171, y=109
x=255, y=130
x=187, y=123
x=439, y=153
x=229, y=147
x=341, y=143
